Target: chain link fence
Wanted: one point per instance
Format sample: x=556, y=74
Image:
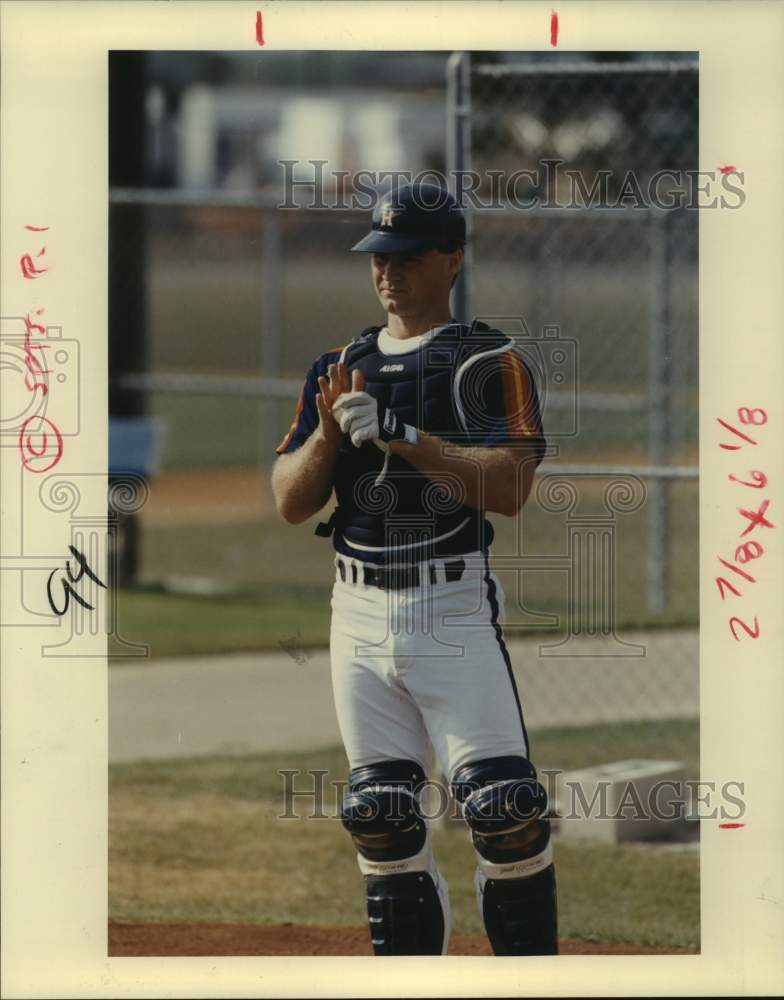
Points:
x=615, y=273
x=576, y=164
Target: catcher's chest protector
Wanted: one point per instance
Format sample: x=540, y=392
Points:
x=419, y=386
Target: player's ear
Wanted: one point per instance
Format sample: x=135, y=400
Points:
x=457, y=264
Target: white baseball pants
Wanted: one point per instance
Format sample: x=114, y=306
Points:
x=423, y=669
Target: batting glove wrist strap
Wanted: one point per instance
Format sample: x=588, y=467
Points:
x=393, y=429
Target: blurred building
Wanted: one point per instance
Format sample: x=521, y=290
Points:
x=221, y=121
x=224, y=122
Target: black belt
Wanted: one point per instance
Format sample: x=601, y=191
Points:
x=399, y=577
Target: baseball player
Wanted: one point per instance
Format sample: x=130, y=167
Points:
x=420, y=427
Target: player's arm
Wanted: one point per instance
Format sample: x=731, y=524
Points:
x=496, y=479
x=302, y=479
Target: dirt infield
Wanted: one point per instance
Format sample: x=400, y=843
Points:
x=127, y=940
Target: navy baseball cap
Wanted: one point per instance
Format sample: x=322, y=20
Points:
x=415, y=218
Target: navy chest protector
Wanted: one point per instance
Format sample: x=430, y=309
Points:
x=388, y=511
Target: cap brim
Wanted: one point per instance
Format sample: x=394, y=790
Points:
x=381, y=242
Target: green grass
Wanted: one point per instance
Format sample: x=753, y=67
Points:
x=201, y=840
x=255, y=777
x=570, y=748
x=175, y=625
x=261, y=619
x=277, y=580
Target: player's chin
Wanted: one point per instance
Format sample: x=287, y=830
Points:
x=391, y=303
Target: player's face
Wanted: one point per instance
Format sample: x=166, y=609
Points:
x=413, y=284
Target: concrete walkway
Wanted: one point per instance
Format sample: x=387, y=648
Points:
x=267, y=702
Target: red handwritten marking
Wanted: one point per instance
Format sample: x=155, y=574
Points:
x=731, y=826
x=30, y=325
x=753, y=633
x=738, y=570
x=747, y=415
x=756, y=517
x=727, y=170
x=40, y=441
x=34, y=347
x=760, y=479
x=33, y=365
x=29, y=270
x=34, y=369
x=734, y=431
x=746, y=551
x=30, y=454
x=259, y=28
x=554, y=28
x=723, y=584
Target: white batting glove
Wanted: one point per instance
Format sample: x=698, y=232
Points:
x=357, y=415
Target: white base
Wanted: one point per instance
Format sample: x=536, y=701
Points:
x=627, y=801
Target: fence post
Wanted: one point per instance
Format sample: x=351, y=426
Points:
x=458, y=159
x=660, y=428
x=271, y=328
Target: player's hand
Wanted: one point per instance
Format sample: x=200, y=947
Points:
x=357, y=415
x=334, y=385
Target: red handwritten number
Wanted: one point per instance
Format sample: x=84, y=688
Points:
x=721, y=583
x=746, y=415
x=760, y=479
x=729, y=427
x=754, y=634
x=748, y=551
x=736, y=569
x=259, y=28
x=554, y=28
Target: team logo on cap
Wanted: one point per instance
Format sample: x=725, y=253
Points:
x=388, y=214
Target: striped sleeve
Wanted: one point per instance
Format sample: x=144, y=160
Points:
x=306, y=414
x=512, y=404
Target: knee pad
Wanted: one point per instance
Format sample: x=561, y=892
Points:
x=505, y=808
x=407, y=901
x=381, y=812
